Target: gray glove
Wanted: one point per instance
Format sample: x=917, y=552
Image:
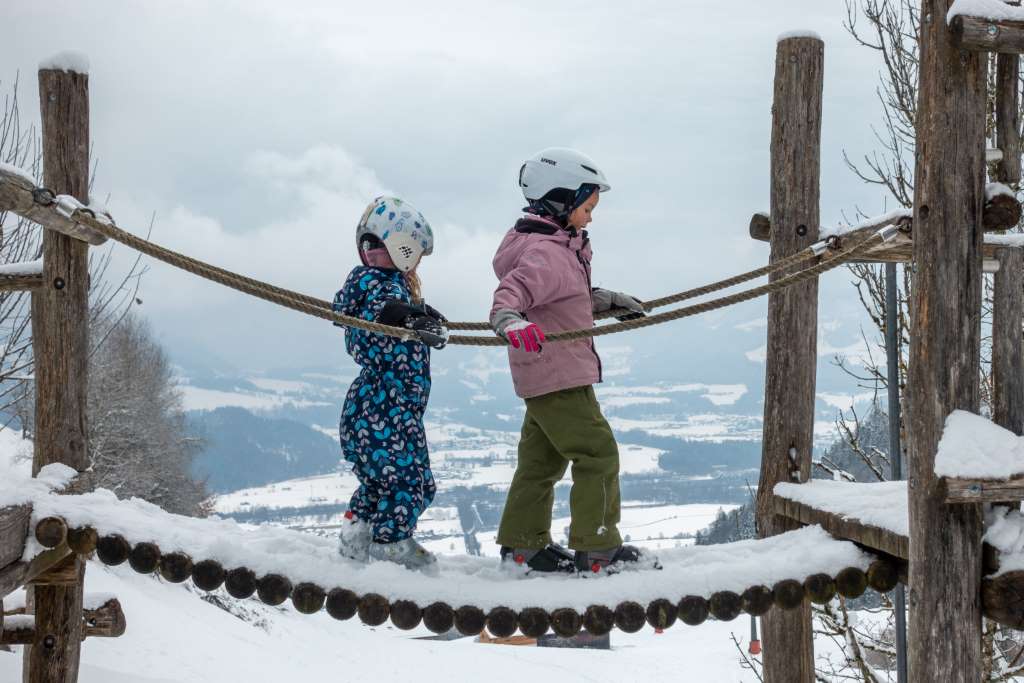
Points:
x=606, y=300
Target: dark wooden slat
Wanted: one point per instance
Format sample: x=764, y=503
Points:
x=14, y=530
x=985, y=35
x=790, y=368
x=1008, y=118
x=985, y=490
x=873, y=537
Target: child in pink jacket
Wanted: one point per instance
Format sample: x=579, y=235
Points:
x=543, y=265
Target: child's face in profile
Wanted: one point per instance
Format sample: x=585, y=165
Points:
x=582, y=214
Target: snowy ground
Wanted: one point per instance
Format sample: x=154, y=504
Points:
x=173, y=635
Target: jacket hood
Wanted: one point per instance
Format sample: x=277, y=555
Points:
x=527, y=233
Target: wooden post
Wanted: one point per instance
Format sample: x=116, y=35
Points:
x=1007, y=339
x=60, y=343
x=945, y=350
x=791, y=362
x=1008, y=117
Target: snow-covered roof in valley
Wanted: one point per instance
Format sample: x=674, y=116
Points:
x=996, y=10
x=974, y=447
x=67, y=60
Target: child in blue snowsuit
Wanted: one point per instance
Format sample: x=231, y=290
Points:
x=381, y=426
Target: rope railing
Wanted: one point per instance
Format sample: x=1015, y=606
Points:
x=828, y=253
x=374, y=609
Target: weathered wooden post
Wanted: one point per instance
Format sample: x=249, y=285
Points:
x=945, y=350
x=791, y=361
x=60, y=344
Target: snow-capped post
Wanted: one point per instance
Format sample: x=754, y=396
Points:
x=790, y=365
x=945, y=349
x=1007, y=350
x=60, y=345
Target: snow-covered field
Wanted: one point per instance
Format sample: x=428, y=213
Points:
x=174, y=636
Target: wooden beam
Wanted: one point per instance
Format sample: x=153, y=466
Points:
x=105, y=621
x=60, y=347
x=14, y=531
x=945, y=349
x=873, y=537
x=16, y=575
x=1008, y=118
x=16, y=196
x=1010, y=491
x=986, y=35
x=790, y=367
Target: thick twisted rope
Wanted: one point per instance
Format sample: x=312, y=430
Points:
x=321, y=309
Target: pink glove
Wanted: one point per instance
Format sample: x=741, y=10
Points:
x=525, y=335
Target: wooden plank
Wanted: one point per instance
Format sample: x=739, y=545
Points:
x=20, y=283
x=1007, y=340
x=790, y=370
x=1008, y=118
x=105, y=621
x=14, y=531
x=945, y=349
x=16, y=196
x=60, y=346
x=852, y=529
x=986, y=35
x=1010, y=491
x=16, y=575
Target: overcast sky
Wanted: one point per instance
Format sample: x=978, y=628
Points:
x=256, y=132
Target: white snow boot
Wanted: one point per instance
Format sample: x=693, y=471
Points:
x=407, y=553
x=354, y=539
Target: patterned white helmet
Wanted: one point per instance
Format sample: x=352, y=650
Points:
x=402, y=230
x=559, y=168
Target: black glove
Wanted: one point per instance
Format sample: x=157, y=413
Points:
x=424, y=320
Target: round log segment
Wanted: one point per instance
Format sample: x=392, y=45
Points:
x=1003, y=598
x=883, y=576
x=788, y=594
x=373, y=609
x=725, y=605
x=501, y=622
x=756, y=600
x=985, y=35
x=308, y=598
x=470, y=620
x=1002, y=212
x=630, y=617
x=208, y=575
x=661, y=613
x=144, y=557
x=407, y=615
x=599, y=620
x=534, y=622
x=439, y=617
x=566, y=622
x=51, y=532
x=342, y=604
x=175, y=567
x=761, y=227
x=82, y=540
x=820, y=588
x=273, y=589
x=693, y=610
x=851, y=582
x=240, y=583
x=113, y=549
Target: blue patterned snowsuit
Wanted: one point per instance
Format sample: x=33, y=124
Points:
x=381, y=425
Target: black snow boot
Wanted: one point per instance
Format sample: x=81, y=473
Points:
x=551, y=558
x=594, y=561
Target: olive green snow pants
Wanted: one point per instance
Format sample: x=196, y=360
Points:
x=560, y=428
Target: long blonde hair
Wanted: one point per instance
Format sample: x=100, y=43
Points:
x=412, y=281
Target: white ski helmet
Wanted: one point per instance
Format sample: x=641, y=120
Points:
x=402, y=230
x=559, y=167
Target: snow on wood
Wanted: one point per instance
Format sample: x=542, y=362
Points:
x=20, y=173
x=996, y=10
x=25, y=268
x=19, y=491
x=18, y=622
x=889, y=218
x=1014, y=240
x=798, y=33
x=974, y=447
x=995, y=189
x=68, y=60
x=882, y=504
x=1005, y=532
x=698, y=570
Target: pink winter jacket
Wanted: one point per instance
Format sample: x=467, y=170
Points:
x=544, y=274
